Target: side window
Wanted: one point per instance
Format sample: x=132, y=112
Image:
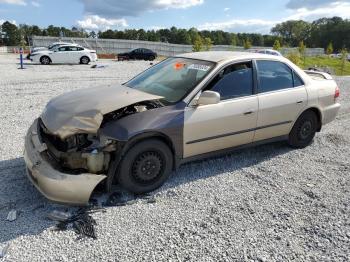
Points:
x=274, y=75
x=61, y=49
x=73, y=48
x=234, y=81
x=297, y=80
x=80, y=48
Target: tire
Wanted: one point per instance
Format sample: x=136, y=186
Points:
x=45, y=60
x=304, y=130
x=151, y=58
x=146, y=166
x=84, y=60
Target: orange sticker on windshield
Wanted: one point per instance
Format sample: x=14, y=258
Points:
x=179, y=66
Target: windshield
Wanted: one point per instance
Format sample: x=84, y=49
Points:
x=173, y=78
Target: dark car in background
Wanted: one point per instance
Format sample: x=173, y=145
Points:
x=138, y=54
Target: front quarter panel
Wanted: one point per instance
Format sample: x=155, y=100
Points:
x=166, y=121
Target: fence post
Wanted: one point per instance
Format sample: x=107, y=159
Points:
x=21, y=57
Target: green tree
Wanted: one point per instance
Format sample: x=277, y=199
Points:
x=234, y=41
x=294, y=57
x=329, y=49
x=277, y=45
x=302, y=50
x=344, y=60
x=207, y=44
x=247, y=44
x=293, y=31
x=12, y=35
x=197, y=43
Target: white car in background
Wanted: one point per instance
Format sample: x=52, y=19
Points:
x=269, y=52
x=52, y=46
x=67, y=54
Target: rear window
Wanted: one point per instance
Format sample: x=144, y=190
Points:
x=273, y=76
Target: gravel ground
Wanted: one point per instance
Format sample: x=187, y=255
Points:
x=268, y=203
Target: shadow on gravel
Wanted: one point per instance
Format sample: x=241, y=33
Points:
x=32, y=208
x=226, y=163
x=16, y=192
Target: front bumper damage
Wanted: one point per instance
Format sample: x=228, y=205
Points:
x=53, y=184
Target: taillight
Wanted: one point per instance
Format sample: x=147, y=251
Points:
x=337, y=93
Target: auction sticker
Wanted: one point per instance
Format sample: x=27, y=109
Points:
x=199, y=67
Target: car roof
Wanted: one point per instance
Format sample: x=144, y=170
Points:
x=75, y=45
x=65, y=43
x=223, y=56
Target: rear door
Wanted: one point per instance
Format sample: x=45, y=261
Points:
x=229, y=123
x=282, y=97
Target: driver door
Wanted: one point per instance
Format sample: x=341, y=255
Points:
x=60, y=55
x=229, y=123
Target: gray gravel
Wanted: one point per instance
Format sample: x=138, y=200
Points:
x=268, y=203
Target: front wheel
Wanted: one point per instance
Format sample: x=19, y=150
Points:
x=304, y=130
x=45, y=60
x=146, y=166
x=85, y=60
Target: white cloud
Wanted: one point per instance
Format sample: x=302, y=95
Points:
x=95, y=22
x=312, y=4
x=35, y=3
x=341, y=9
x=13, y=2
x=235, y=25
x=123, y=8
x=328, y=8
x=12, y=21
x=226, y=9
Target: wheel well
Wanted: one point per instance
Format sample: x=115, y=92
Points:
x=84, y=56
x=319, y=117
x=114, y=165
x=45, y=56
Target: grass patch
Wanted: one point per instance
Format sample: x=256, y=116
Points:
x=325, y=61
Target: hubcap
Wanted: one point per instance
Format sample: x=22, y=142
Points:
x=84, y=60
x=305, y=130
x=147, y=167
x=46, y=60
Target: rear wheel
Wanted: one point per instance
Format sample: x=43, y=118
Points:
x=304, y=130
x=45, y=60
x=151, y=58
x=84, y=60
x=146, y=166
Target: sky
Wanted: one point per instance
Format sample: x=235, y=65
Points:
x=254, y=16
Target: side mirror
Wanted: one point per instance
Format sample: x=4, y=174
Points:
x=208, y=98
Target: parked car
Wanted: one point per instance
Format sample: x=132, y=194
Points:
x=138, y=54
x=50, y=47
x=269, y=52
x=185, y=108
x=66, y=54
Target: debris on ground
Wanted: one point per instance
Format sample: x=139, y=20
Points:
x=99, y=66
x=3, y=250
x=119, y=198
x=12, y=215
x=59, y=216
x=81, y=221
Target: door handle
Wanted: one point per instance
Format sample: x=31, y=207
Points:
x=249, y=112
x=300, y=102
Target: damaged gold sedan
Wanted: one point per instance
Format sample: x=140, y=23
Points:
x=185, y=108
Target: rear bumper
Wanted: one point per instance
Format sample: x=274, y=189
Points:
x=330, y=113
x=53, y=184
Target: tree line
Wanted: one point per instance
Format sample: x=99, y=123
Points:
x=324, y=32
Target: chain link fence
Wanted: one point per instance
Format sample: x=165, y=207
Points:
x=116, y=46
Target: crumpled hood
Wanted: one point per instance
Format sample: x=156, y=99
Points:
x=82, y=111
